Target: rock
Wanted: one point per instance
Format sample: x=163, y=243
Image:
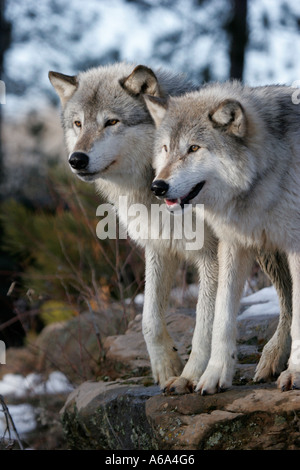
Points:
x=130, y=351
x=245, y=418
x=74, y=347
x=256, y=330
x=127, y=416
x=99, y=415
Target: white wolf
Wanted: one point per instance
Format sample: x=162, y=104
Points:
x=240, y=148
x=109, y=136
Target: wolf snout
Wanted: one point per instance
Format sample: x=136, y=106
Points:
x=159, y=187
x=79, y=160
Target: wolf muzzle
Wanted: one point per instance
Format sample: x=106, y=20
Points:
x=79, y=160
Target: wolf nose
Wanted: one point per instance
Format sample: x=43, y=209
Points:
x=79, y=160
x=159, y=187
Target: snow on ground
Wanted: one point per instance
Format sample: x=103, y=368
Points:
x=24, y=414
x=23, y=417
x=32, y=384
x=263, y=302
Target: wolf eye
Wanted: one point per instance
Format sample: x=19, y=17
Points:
x=165, y=148
x=193, y=148
x=77, y=124
x=111, y=122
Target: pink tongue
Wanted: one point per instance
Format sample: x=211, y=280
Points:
x=171, y=202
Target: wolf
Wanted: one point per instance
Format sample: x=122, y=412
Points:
x=109, y=136
x=235, y=149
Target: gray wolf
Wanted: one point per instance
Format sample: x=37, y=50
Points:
x=109, y=136
x=236, y=150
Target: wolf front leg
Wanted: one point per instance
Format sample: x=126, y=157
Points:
x=234, y=265
x=201, y=344
x=276, y=352
x=290, y=378
x=160, y=273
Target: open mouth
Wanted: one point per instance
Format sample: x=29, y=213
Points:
x=186, y=198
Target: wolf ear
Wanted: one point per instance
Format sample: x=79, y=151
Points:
x=157, y=108
x=142, y=80
x=230, y=117
x=65, y=85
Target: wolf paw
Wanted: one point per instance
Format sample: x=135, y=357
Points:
x=214, y=380
x=289, y=380
x=165, y=366
x=179, y=386
x=267, y=369
x=272, y=362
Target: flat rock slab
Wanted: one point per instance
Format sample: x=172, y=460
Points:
x=120, y=415
x=244, y=418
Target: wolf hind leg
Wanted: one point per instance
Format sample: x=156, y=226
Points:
x=276, y=352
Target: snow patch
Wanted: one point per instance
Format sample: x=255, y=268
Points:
x=23, y=417
x=263, y=302
x=33, y=384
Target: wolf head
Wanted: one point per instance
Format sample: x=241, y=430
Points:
x=106, y=122
x=201, y=146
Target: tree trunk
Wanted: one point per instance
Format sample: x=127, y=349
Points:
x=237, y=29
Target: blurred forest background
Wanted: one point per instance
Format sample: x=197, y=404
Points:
x=52, y=266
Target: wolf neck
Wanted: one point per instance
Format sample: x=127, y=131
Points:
x=137, y=191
